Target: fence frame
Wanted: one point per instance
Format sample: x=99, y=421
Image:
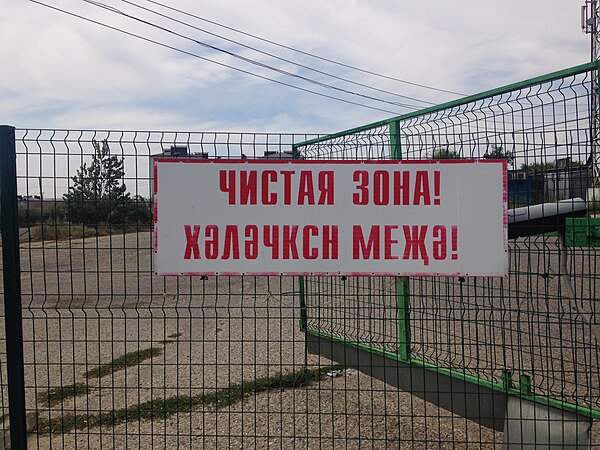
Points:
x=13, y=315
x=395, y=131
x=363, y=353
x=334, y=346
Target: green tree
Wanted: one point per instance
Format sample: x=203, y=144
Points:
x=98, y=194
x=538, y=167
x=140, y=211
x=444, y=153
x=500, y=153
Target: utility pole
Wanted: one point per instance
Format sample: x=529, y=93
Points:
x=590, y=24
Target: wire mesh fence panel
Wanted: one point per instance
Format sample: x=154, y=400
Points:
x=533, y=334
x=118, y=356
x=373, y=143
x=526, y=322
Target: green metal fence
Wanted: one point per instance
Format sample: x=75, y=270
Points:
x=100, y=352
x=527, y=335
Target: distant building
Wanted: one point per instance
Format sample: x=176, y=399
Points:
x=179, y=151
x=37, y=202
x=524, y=188
x=278, y=155
x=564, y=181
x=176, y=151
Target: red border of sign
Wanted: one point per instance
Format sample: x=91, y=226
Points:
x=330, y=161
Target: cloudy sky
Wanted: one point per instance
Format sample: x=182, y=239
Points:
x=65, y=72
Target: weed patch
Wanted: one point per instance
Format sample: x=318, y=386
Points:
x=56, y=395
x=127, y=360
x=165, y=408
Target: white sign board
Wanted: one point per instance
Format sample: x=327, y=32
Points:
x=257, y=217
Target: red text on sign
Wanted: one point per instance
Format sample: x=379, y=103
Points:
x=234, y=242
x=406, y=242
x=277, y=187
x=383, y=187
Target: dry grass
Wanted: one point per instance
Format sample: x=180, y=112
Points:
x=60, y=232
x=66, y=231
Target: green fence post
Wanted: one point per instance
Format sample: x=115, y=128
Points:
x=13, y=316
x=301, y=287
x=402, y=285
x=303, y=313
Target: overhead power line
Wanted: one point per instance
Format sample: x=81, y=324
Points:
x=246, y=59
x=312, y=55
x=271, y=55
x=188, y=53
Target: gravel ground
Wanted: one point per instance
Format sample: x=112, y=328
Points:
x=94, y=300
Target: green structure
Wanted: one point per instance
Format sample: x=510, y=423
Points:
x=473, y=345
